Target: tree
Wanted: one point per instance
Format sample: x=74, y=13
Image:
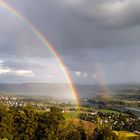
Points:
x=70, y=133
x=26, y=123
x=6, y=122
x=103, y=132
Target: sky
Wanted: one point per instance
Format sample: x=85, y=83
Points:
x=96, y=39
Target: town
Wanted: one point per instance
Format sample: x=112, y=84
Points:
x=117, y=120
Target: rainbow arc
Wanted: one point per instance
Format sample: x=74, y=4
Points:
x=46, y=42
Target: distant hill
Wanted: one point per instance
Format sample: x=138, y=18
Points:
x=63, y=90
x=50, y=90
x=41, y=89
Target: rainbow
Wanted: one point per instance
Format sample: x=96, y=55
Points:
x=47, y=43
x=101, y=81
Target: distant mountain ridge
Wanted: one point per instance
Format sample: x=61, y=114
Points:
x=49, y=89
x=41, y=89
x=55, y=90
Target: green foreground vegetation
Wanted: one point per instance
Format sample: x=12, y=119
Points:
x=27, y=123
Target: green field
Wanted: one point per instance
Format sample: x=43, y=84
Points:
x=71, y=115
x=74, y=115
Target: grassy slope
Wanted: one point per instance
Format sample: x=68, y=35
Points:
x=125, y=134
x=71, y=115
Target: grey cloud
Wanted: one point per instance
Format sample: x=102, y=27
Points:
x=120, y=13
x=69, y=30
x=18, y=39
x=36, y=69
x=109, y=13
x=81, y=32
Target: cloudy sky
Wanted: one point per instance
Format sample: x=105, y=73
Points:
x=96, y=39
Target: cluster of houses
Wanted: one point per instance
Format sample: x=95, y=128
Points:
x=117, y=121
x=13, y=101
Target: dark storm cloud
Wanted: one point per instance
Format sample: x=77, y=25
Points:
x=66, y=24
x=111, y=13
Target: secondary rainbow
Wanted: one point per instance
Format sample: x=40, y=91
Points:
x=47, y=43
